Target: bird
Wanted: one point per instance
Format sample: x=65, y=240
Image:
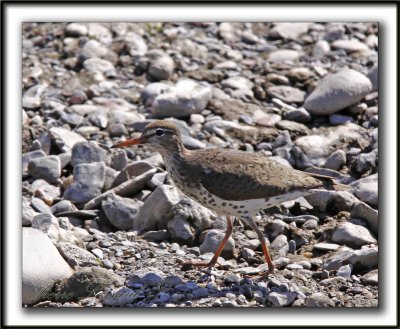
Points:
x=232, y=183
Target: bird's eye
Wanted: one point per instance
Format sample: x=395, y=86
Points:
x=159, y=132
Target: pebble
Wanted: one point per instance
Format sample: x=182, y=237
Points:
x=345, y=271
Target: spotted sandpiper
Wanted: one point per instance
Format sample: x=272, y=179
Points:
x=230, y=182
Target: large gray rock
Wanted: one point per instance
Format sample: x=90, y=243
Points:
x=352, y=235
x=88, y=182
x=121, y=212
x=87, y=152
x=42, y=266
x=338, y=91
x=47, y=168
x=157, y=209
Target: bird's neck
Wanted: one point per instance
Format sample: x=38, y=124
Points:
x=174, y=151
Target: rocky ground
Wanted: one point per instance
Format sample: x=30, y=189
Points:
x=105, y=227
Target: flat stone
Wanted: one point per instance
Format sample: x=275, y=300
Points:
x=323, y=246
x=42, y=266
x=98, y=65
x=338, y=91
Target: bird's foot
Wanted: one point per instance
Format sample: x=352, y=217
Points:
x=201, y=264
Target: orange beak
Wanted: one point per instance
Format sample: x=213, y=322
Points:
x=129, y=142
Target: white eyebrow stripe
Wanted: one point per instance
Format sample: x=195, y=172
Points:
x=153, y=131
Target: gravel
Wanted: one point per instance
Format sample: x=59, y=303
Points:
x=111, y=229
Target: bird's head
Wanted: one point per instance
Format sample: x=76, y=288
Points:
x=161, y=135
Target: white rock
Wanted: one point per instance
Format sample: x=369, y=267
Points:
x=42, y=265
